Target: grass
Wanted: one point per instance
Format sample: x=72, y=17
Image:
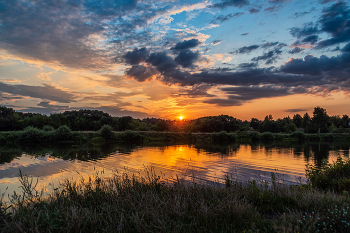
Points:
x=145, y=203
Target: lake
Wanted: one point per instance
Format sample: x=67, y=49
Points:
x=199, y=163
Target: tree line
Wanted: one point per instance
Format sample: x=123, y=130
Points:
x=93, y=120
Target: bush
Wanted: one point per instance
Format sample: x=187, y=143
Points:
x=63, y=133
x=129, y=136
x=329, y=176
x=298, y=136
x=254, y=136
x=267, y=136
x=32, y=135
x=47, y=128
x=106, y=132
x=327, y=137
x=223, y=136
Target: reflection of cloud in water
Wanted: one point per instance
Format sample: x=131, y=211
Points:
x=204, y=163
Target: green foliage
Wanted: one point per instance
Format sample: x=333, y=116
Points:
x=267, y=136
x=129, y=136
x=329, y=176
x=254, y=136
x=327, y=137
x=32, y=135
x=63, y=133
x=223, y=137
x=298, y=136
x=106, y=132
x=47, y=128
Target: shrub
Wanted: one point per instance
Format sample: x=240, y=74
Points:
x=254, y=136
x=329, y=176
x=267, y=136
x=223, y=136
x=47, y=128
x=129, y=136
x=327, y=137
x=31, y=135
x=63, y=133
x=106, y=132
x=298, y=136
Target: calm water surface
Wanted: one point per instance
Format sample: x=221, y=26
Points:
x=201, y=162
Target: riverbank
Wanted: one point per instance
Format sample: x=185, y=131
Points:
x=63, y=134
x=129, y=203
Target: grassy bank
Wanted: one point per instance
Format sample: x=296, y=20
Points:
x=146, y=204
x=63, y=134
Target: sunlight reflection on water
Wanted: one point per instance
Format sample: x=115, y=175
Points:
x=201, y=163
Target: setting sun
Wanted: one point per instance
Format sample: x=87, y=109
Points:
x=180, y=118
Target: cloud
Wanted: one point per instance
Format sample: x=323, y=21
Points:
x=254, y=11
x=229, y=3
x=247, y=49
x=223, y=18
x=296, y=50
x=245, y=34
x=216, y=42
x=186, y=58
x=308, y=30
x=316, y=66
x=269, y=44
x=117, y=111
x=335, y=21
x=136, y=56
x=293, y=110
x=236, y=96
x=247, y=65
x=269, y=56
x=346, y=48
x=195, y=91
x=141, y=73
x=46, y=92
x=187, y=44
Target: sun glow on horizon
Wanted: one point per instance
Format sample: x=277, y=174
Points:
x=181, y=118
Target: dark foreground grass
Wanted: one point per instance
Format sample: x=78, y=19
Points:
x=137, y=204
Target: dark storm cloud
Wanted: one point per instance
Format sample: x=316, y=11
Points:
x=44, y=92
x=223, y=18
x=162, y=62
x=187, y=44
x=335, y=21
x=246, y=49
x=186, y=58
x=254, y=10
x=316, y=66
x=228, y=3
x=346, y=48
x=140, y=72
x=296, y=50
x=293, y=110
x=136, y=56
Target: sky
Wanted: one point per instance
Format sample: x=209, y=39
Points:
x=172, y=58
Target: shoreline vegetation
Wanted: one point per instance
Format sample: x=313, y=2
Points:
x=146, y=203
x=63, y=134
x=99, y=127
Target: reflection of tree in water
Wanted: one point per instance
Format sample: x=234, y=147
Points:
x=222, y=148
x=9, y=154
x=320, y=152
